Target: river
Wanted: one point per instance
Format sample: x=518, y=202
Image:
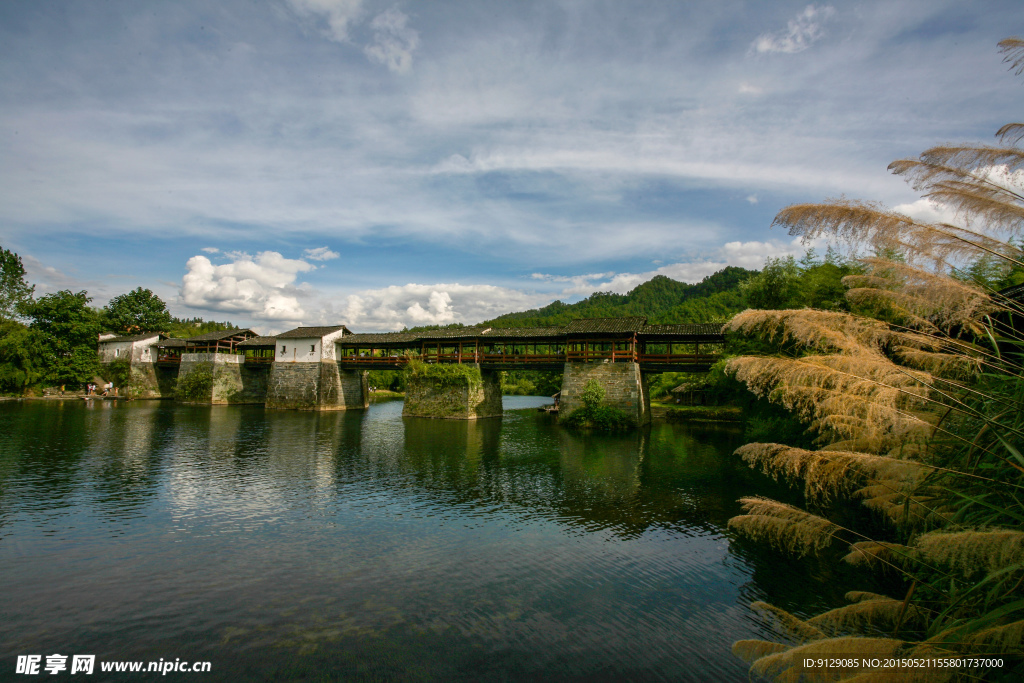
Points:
x=364, y=546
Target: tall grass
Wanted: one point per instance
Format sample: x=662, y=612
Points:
x=916, y=401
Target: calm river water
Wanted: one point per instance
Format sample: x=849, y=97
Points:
x=364, y=546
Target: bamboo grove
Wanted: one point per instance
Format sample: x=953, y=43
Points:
x=916, y=399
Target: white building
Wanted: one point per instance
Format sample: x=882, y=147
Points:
x=137, y=348
x=308, y=344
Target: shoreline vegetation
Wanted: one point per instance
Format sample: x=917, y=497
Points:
x=913, y=399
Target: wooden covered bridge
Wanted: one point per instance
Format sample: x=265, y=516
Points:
x=657, y=348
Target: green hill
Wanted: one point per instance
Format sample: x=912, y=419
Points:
x=662, y=299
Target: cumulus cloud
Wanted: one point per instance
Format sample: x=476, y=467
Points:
x=262, y=287
x=211, y=250
x=337, y=14
x=320, y=254
x=800, y=32
x=395, y=307
x=393, y=41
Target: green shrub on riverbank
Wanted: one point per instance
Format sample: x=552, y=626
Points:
x=196, y=385
x=594, y=415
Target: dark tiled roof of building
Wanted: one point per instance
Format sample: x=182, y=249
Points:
x=257, y=343
x=383, y=338
x=173, y=343
x=134, y=337
x=220, y=334
x=605, y=326
x=312, y=332
x=527, y=332
x=454, y=333
x=687, y=330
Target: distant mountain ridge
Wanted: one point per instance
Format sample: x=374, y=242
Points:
x=661, y=299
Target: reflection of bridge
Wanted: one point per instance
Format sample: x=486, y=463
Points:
x=655, y=348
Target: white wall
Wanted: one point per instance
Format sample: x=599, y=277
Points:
x=298, y=350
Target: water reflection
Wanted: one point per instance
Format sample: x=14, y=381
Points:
x=280, y=544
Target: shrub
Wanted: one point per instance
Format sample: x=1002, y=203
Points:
x=196, y=385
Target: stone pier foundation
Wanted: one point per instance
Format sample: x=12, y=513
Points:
x=624, y=384
x=232, y=381
x=317, y=386
x=467, y=399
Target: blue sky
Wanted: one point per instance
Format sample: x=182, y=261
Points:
x=380, y=164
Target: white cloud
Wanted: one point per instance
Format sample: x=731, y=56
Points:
x=338, y=14
x=262, y=287
x=927, y=211
x=752, y=198
x=392, y=308
x=393, y=41
x=320, y=254
x=800, y=32
x=211, y=250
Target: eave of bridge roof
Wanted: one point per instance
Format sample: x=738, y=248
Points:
x=681, y=331
x=630, y=325
x=379, y=339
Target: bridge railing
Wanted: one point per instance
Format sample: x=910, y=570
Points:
x=677, y=357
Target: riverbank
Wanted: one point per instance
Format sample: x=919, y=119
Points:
x=676, y=413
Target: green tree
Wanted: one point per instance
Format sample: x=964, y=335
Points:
x=21, y=363
x=67, y=330
x=137, y=311
x=776, y=286
x=15, y=293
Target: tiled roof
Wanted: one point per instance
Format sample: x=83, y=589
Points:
x=219, y=334
x=312, y=332
x=173, y=343
x=453, y=333
x=257, y=342
x=524, y=332
x=687, y=330
x=605, y=325
x=384, y=338
x=134, y=337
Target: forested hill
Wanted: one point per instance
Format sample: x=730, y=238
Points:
x=662, y=299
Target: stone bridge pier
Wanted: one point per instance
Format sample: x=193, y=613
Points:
x=624, y=384
x=316, y=386
x=454, y=399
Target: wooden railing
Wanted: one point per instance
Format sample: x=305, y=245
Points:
x=620, y=356
x=677, y=358
x=168, y=358
x=259, y=359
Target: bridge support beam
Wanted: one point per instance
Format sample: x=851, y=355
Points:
x=625, y=388
x=460, y=398
x=316, y=386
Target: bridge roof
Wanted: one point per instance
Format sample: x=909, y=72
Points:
x=524, y=332
x=605, y=325
x=687, y=330
x=453, y=334
x=383, y=338
x=258, y=342
x=220, y=334
x=312, y=332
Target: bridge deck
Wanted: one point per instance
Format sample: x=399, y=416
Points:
x=655, y=347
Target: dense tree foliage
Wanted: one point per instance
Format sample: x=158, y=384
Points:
x=67, y=330
x=140, y=310
x=808, y=283
x=15, y=292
